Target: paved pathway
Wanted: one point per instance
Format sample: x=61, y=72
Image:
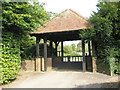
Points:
x=64, y=79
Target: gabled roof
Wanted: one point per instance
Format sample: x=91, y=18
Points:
x=68, y=20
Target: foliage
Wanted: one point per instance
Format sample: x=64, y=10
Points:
x=10, y=57
x=105, y=33
x=67, y=49
x=18, y=20
x=79, y=47
x=30, y=52
x=22, y=17
x=73, y=47
x=70, y=50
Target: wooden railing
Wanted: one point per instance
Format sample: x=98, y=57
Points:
x=72, y=58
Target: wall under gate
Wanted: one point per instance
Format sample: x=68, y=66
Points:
x=36, y=65
x=57, y=63
x=28, y=65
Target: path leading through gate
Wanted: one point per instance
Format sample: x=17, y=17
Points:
x=66, y=79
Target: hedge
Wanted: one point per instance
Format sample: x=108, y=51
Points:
x=10, y=58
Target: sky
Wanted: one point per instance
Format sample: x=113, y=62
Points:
x=83, y=7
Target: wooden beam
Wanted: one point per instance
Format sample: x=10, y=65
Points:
x=56, y=49
x=56, y=45
x=83, y=54
x=37, y=52
x=93, y=49
x=51, y=43
x=45, y=54
x=51, y=48
x=62, y=48
x=94, y=65
x=37, y=47
x=89, y=48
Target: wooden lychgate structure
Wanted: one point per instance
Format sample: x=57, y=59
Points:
x=65, y=27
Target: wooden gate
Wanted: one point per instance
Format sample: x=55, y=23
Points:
x=68, y=62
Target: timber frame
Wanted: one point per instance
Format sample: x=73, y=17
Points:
x=61, y=37
x=62, y=29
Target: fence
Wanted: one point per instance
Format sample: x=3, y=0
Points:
x=72, y=58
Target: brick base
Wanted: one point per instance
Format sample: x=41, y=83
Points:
x=36, y=65
x=28, y=65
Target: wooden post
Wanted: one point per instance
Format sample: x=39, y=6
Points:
x=83, y=54
x=37, y=47
x=55, y=49
x=89, y=48
x=51, y=47
x=93, y=49
x=93, y=58
x=37, y=53
x=45, y=54
x=51, y=43
x=62, y=48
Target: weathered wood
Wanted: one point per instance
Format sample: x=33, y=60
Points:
x=38, y=64
x=62, y=48
x=42, y=64
x=56, y=49
x=89, y=50
x=93, y=49
x=45, y=54
x=94, y=66
x=83, y=54
x=51, y=43
x=37, y=47
x=56, y=45
x=51, y=47
x=37, y=52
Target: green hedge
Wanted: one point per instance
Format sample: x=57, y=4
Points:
x=108, y=60
x=30, y=52
x=10, y=57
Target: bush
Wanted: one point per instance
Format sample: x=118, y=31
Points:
x=30, y=52
x=10, y=58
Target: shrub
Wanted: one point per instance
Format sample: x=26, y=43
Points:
x=10, y=58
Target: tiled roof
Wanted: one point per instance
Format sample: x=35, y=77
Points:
x=68, y=20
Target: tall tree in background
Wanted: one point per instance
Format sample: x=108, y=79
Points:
x=106, y=35
x=79, y=47
x=73, y=47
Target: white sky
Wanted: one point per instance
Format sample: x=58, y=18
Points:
x=83, y=7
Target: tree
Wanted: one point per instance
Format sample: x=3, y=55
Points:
x=73, y=47
x=21, y=18
x=18, y=20
x=105, y=33
x=67, y=49
x=79, y=47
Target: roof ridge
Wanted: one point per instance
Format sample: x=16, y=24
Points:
x=70, y=10
x=78, y=15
